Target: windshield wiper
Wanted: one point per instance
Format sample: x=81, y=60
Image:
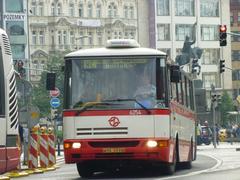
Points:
x=89, y=105
x=135, y=100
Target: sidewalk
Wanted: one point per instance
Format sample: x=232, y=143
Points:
x=221, y=145
x=226, y=155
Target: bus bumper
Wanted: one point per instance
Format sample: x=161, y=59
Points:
x=76, y=151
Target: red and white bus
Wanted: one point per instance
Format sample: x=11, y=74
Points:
x=109, y=123
x=9, y=147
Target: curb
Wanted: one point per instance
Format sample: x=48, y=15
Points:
x=4, y=178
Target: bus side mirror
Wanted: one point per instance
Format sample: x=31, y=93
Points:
x=51, y=80
x=175, y=73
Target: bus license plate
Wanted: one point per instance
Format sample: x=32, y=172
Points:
x=113, y=150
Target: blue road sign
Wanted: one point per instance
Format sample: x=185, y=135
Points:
x=55, y=102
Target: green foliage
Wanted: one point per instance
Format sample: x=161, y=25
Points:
x=225, y=106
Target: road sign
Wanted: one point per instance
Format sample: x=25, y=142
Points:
x=55, y=93
x=55, y=102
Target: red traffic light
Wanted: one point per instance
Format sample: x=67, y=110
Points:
x=222, y=28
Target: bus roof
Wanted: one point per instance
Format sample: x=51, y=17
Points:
x=115, y=49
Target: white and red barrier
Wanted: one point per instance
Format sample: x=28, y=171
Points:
x=33, y=149
x=44, y=154
x=51, y=147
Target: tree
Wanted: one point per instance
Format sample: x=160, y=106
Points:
x=225, y=106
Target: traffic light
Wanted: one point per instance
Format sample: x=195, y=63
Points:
x=223, y=35
x=51, y=79
x=222, y=66
x=195, y=66
x=214, y=98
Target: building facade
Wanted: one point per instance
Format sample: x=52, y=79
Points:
x=59, y=26
x=235, y=23
x=175, y=19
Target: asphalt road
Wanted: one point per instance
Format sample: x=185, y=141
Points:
x=69, y=172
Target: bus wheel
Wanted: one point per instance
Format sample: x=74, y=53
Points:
x=84, y=170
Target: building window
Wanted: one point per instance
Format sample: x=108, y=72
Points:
x=65, y=38
x=72, y=38
x=209, y=79
x=100, y=39
x=184, y=7
x=14, y=5
x=236, y=75
x=34, y=9
x=71, y=10
x=41, y=9
x=209, y=33
x=52, y=9
x=90, y=38
x=59, y=37
x=235, y=38
x=18, y=51
x=80, y=10
x=132, y=35
x=112, y=10
x=210, y=56
x=99, y=10
x=90, y=10
x=163, y=7
x=131, y=12
x=183, y=30
x=34, y=37
x=209, y=8
x=235, y=55
x=59, y=9
x=81, y=40
x=41, y=38
x=125, y=11
x=15, y=28
x=163, y=32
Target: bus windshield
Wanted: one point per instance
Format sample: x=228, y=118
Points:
x=122, y=82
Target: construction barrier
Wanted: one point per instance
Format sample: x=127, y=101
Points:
x=44, y=154
x=33, y=149
x=51, y=147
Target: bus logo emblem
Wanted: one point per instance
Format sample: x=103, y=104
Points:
x=114, y=121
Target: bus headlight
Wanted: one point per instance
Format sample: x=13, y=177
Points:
x=76, y=145
x=152, y=143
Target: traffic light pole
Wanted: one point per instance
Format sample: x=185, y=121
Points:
x=214, y=104
x=214, y=125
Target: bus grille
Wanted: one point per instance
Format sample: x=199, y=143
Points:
x=102, y=131
x=13, y=107
x=6, y=44
x=114, y=144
